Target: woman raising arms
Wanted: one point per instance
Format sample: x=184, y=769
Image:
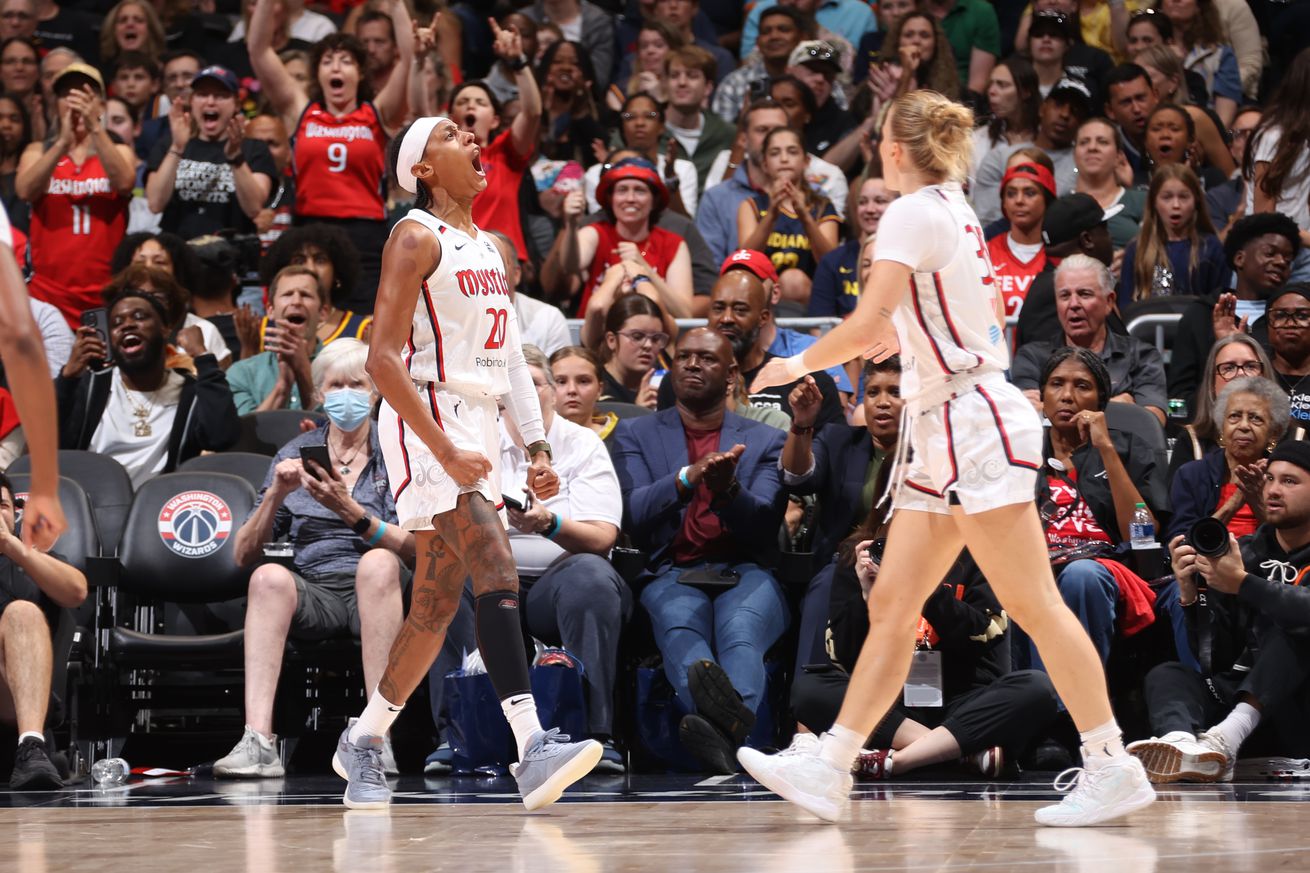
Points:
x=339, y=133
x=976, y=447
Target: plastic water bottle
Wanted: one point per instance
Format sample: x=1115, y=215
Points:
x=1142, y=530
x=109, y=771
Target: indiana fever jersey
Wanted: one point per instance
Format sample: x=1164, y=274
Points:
x=947, y=323
x=340, y=163
x=464, y=323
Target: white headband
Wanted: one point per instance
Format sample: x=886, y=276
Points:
x=411, y=150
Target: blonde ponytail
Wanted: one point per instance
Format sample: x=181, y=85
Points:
x=936, y=133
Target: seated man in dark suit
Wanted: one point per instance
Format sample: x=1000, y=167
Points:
x=741, y=308
x=841, y=465
x=33, y=586
x=705, y=500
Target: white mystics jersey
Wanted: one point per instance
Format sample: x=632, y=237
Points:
x=464, y=323
x=947, y=323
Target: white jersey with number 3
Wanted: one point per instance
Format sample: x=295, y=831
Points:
x=464, y=325
x=947, y=323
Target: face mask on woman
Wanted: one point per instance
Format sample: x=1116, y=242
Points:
x=347, y=407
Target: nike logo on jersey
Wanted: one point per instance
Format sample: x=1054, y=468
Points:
x=845, y=270
x=459, y=246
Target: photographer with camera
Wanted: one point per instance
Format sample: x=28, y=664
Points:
x=1247, y=614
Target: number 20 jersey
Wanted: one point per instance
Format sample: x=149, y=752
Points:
x=464, y=323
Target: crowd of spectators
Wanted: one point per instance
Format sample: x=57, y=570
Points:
x=199, y=198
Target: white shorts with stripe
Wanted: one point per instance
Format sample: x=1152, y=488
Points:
x=421, y=486
x=980, y=449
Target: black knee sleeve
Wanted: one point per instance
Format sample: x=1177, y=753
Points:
x=500, y=640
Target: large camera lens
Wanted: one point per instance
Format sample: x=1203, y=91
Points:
x=1209, y=537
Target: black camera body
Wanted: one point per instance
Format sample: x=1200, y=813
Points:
x=1209, y=536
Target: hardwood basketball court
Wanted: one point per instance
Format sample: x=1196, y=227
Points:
x=639, y=823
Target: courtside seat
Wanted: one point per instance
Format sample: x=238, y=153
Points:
x=178, y=548
x=107, y=486
x=251, y=466
x=81, y=541
x=265, y=432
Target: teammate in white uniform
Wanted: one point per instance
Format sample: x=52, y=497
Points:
x=21, y=350
x=975, y=446
x=445, y=346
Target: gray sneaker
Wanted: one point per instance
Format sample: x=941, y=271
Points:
x=360, y=764
x=254, y=757
x=388, y=755
x=550, y=764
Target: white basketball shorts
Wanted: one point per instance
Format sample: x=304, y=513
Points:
x=980, y=449
x=421, y=486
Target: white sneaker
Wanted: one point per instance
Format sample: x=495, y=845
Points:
x=1180, y=757
x=1113, y=789
x=253, y=757
x=803, y=778
x=802, y=744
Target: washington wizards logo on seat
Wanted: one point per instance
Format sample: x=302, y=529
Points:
x=195, y=523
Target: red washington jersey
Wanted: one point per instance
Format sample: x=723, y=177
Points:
x=340, y=163
x=76, y=225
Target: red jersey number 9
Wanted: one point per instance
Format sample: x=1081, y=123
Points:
x=337, y=155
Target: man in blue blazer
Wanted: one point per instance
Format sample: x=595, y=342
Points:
x=703, y=497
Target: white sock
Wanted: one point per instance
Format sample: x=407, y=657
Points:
x=521, y=713
x=839, y=748
x=376, y=718
x=1239, y=725
x=887, y=764
x=36, y=735
x=1102, y=742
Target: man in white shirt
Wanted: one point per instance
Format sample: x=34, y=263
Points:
x=139, y=412
x=540, y=324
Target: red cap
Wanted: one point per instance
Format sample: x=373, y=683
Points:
x=749, y=259
x=1032, y=172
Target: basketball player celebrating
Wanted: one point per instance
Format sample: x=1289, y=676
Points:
x=340, y=135
x=965, y=475
x=445, y=345
x=23, y=355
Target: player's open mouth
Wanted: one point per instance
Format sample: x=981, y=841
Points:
x=477, y=162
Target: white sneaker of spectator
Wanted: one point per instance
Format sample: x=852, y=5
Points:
x=1179, y=756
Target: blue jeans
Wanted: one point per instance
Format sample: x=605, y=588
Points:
x=1167, y=605
x=1090, y=591
x=734, y=628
